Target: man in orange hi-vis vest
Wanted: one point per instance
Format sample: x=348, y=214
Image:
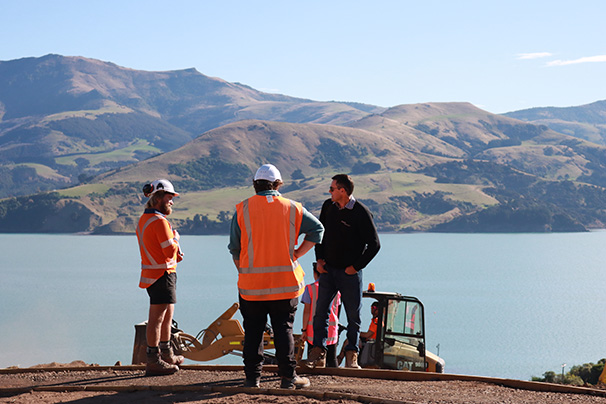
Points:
x=160, y=252
x=263, y=244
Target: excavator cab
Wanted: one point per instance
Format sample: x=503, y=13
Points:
x=400, y=342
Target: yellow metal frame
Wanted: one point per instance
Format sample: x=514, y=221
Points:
x=222, y=337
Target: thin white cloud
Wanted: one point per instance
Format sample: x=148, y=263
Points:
x=270, y=90
x=536, y=55
x=587, y=59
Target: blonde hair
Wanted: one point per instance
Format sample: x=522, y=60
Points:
x=154, y=199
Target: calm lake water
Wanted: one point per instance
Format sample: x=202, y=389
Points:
x=501, y=305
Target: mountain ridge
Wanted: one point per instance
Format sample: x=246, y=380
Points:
x=40, y=97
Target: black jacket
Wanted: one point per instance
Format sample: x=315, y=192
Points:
x=350, y=236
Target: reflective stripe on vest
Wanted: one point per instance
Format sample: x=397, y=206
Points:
x=270, y=273
x=333, y=317
x=151, y=269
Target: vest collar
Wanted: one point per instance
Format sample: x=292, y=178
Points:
x=269, y=192
x=153, y=211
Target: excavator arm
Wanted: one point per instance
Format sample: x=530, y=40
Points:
x=222, y=337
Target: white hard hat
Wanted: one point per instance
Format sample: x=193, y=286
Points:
x=268, y=172
x=159, y=185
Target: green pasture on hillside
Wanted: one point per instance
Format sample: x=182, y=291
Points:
x=123, y=154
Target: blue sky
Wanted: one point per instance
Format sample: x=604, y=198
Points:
x=499, y=55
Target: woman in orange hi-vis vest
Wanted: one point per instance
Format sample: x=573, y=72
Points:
x=160, y=252
x=263, y=240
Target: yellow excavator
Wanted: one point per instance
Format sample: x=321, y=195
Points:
x=400, y=342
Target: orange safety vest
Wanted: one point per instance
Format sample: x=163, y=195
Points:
x=269, y=227
x=158, y=248
x=333, y=317
x=373, y=327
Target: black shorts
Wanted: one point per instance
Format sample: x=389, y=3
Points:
x=164, y=290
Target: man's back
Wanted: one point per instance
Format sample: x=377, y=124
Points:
x=269, y=226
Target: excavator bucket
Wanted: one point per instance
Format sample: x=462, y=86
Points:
x=222, y=337
x=224, y=325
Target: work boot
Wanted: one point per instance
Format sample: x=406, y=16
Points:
x=340, y=357
x=351, y=360
x=157, y=367
x=168, y=356
x=316, y=358
x=297, y=382
x=255, y=382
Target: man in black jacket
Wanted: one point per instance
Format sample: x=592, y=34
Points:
x=350, y=242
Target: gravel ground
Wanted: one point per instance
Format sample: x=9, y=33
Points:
x=213, y=386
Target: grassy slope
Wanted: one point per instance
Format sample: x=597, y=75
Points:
x=124, y=154
x=402, y=139
x=379, y=187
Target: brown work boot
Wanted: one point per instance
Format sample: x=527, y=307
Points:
x=157, y=367
x=316, y=358
x=297, y=382
x=351, y=360
x=168, y=356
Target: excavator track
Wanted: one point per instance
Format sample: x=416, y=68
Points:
x=131, y=379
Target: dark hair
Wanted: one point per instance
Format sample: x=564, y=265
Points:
x=264, y=185
x=344, y=181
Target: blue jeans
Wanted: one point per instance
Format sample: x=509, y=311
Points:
x=350, y=287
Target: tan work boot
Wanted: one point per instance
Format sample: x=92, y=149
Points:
x=316, y=358
x=297, y=382
x=351, y=360
x=157, y=367
x=168, y=356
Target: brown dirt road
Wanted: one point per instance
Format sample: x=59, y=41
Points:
x=84, y=384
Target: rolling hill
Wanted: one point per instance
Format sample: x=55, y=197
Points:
x=66, y=119
x=104, y=131
x=586, y=121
